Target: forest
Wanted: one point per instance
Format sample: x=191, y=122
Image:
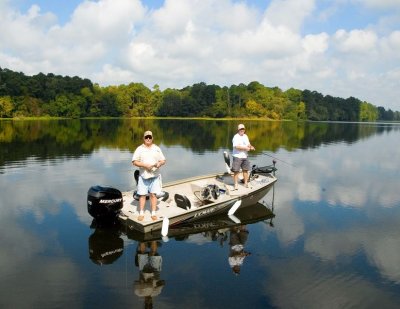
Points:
x=50, y=95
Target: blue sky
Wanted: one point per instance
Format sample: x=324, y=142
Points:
x=338, y=47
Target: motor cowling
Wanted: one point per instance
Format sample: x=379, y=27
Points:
x=104, y=202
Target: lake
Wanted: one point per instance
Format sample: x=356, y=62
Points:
x=327, y=235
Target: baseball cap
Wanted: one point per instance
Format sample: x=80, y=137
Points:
x=148, y=133
x=241, y=126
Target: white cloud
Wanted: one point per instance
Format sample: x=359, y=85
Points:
x=221, y=42
x=106, y=21
x=390, y=45
x=381, y=4
x=315, y=44
x=355, y=41
x=289, y=13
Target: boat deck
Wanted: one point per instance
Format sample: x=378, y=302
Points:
x=191, y=189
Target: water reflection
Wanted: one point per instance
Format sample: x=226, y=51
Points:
x=52, y=139
x=149, y=262
x=238, y=237
x=336, y=232
x=230, y=233
x=105, y=243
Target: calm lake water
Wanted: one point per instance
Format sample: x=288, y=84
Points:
x=326, y=236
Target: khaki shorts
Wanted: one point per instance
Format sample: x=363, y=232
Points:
x=239, y=163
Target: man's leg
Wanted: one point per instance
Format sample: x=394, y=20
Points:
x=142, y=202
x=153, y=248
x=142, y=247
x=235, y=179
x=246, y=178
x=153, y=201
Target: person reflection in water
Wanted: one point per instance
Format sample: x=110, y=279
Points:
x=238, y=238
x=149, y=262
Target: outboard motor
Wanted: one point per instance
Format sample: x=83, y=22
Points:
x=104, y=202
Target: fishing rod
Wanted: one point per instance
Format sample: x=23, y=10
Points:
x=275, y=158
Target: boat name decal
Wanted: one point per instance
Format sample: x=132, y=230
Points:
x=116, y=200
x=205, y=212
x=111, y=252
x=205, y=225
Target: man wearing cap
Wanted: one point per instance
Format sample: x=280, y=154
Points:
x=149, y=158
x=241, y=145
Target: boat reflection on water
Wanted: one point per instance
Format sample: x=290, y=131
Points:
x=105, y=243
x=221, y=229
x=243, y=216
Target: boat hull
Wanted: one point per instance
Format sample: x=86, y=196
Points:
x=248, y=215
x=198, y=210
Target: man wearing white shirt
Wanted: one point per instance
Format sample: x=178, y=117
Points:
x=241, y=146
x=149, y=158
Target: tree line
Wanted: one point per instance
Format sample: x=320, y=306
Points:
x=74, y=97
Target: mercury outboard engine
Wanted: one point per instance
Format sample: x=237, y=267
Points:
x=104, y=202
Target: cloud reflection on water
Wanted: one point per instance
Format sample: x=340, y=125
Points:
x=358, y=183
x=363, y=178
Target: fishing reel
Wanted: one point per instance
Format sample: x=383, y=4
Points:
x=209, y=192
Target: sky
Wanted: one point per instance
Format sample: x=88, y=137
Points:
x=341, y=48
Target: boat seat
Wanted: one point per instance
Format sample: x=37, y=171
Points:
x=182, y=201
x=226, y=179
x=163, y=196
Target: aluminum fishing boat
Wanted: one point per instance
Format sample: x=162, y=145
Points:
x=183, y=201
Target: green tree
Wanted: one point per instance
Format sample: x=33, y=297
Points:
x=171, y=103
x=368, y=112
x=6, y=106
x=301, y=111
x=254, y=109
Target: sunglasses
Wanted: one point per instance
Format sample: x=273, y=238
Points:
x=148, y=137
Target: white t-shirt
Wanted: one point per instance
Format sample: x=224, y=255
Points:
x=240, y=140
x=148, y=155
